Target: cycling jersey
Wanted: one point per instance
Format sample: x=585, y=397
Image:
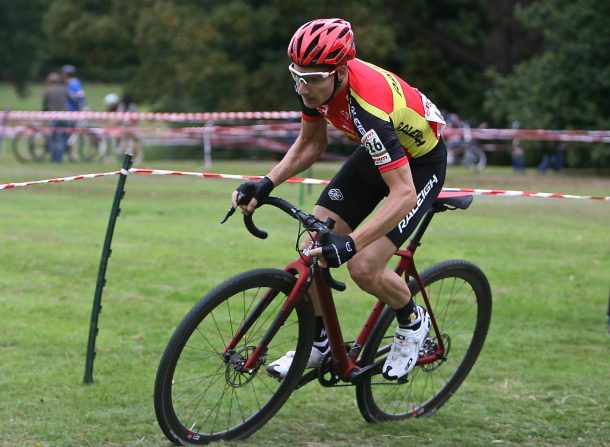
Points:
x=391, y=119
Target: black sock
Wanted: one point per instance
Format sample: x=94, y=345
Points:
x=320, y=340
x=408, y=317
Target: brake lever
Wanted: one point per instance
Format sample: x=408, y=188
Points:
x=240, y=198
x=229, y=214
x=328, y=277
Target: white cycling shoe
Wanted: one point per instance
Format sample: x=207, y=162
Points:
x=279, y=368
x=405, y=348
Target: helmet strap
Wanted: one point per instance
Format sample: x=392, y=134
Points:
x=335, y=88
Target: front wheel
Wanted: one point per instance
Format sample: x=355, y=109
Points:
x=460, y=300
x=21, y=147
x=201, y=392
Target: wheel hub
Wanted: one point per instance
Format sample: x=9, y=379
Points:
x=235, y=374
x=430, y=347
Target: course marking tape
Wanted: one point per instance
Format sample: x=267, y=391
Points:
x=302, y=180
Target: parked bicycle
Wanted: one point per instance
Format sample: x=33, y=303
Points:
x=212, y=383
x=31, y=143
x=117, y=142
x=462, y=149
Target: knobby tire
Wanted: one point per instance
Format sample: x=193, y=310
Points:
x=201, y=397
x=460, y=298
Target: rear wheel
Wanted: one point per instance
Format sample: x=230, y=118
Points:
x=475, y=157
x=460, y=298
x=129, y=144
x=201, y=392
x=38, y=146
x=91, y=146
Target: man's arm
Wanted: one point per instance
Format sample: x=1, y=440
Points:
x=400, y=200
x=305, y=150
x=311, y=142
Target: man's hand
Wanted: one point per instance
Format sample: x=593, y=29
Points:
x=249, y=194
x=335, y=250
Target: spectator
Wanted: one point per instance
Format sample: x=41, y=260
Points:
x=76, y=101
x=76, y=93
x=129, y=141
x=111, y=101
x=55, y=98
x=517, y=157
x=127, y=104
x=555, y=160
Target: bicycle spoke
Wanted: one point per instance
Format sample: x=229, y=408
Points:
x=456, y=295
x=212, y=396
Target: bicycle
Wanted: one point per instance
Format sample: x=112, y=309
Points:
x=211, y=383
x=464, y=151
x=86, y=141
x=114, y=143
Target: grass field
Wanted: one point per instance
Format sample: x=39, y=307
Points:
x=543, y=378
x=95, y=93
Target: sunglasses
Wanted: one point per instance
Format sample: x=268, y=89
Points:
x=310, y=78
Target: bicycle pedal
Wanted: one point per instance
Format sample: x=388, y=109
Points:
x=273, y=373
x=404, y=379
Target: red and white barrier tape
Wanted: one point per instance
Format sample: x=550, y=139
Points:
x=58, y=180
x=504, y=192
x=302, y=180
x=153, y=116
x=585, y=136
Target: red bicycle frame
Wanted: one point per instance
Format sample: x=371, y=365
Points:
x=345, y=363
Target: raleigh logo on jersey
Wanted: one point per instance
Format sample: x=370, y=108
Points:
x=375, y=147
x=420, y=199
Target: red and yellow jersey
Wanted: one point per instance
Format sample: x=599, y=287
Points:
x=393, y=120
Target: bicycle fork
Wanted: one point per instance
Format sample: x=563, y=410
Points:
x=254, y=360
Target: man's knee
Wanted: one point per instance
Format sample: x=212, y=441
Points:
x=364, y=274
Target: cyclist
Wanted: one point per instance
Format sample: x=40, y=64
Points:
x=400, y=157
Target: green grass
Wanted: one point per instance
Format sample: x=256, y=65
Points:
x=94, y=92
x=542, y=379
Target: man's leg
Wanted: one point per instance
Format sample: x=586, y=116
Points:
x=369, y=270
x=320, y=347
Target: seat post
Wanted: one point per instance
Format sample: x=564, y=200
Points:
x=421, y=229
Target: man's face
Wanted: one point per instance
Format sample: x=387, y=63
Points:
x=316, y=90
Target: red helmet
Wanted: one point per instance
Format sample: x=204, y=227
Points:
x=322, y=42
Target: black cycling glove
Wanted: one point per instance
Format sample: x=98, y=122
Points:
x=337, y=249
x=259, y=190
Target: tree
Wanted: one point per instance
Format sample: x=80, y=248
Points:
x=446, y=47
x=98, y=36
x=23, y=45
x=567, y=85
x=231, y=55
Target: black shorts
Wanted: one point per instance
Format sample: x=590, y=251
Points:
x=358, y=187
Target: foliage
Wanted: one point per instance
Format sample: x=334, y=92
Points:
x=22, y=44
x=204, y=55
x=95, y=35
x=542, y=63
x=567, y=85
